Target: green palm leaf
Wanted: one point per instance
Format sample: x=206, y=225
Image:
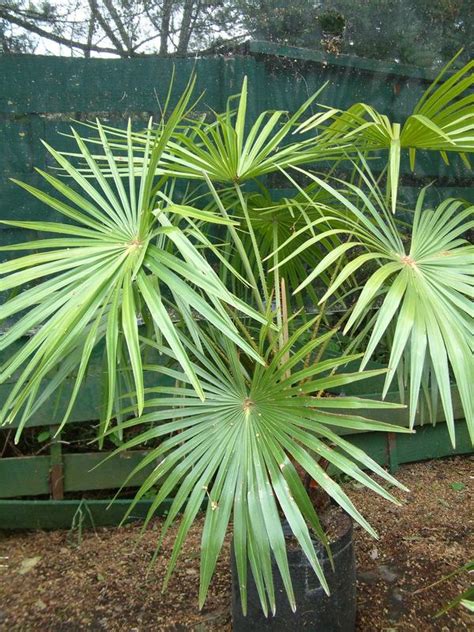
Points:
x=228, y=153
x=443, y=120
x=238, y=450
x=426, y=290
x=95, y=280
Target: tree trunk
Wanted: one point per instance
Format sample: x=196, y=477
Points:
x=186, y=26
x=120, y=26
x=90, y=34
x=165, y=26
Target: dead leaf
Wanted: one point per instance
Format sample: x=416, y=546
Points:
x=28, y=564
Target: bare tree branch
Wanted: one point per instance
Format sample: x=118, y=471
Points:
x=33, y=28
x=123, y=27
x=119, y=24
x=109, y=32
x=186, y=26
x=90, y=33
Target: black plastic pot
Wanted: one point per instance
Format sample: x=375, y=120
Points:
x=316, y=611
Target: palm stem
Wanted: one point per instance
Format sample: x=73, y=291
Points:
x=258, y=258
x=238, y=244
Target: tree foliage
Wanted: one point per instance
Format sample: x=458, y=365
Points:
x=420, y=32
x=126, y=28
x=11, y=41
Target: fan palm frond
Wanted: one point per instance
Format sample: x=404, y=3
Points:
x=442, y=120
x=238, y=449
x=125, y=253
x=426, y=289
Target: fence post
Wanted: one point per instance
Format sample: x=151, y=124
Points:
x=56, y=470
x=392, y=452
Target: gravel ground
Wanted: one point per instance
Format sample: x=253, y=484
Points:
x=50, y=581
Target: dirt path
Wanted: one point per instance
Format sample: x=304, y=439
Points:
x=49, y=583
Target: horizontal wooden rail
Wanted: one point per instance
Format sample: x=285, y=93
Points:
x=60, y=472
x=69, y=514
x=429, y=442
x=81, y=472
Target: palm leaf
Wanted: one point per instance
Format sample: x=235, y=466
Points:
x=237, y=448
x=94, y=280
x=426, y=291
x=443, y=120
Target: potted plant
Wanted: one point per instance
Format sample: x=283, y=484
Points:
x=220, y=309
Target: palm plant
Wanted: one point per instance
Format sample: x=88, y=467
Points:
x=226, y=153
x=240, y=397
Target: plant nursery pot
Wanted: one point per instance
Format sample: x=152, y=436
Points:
x=315, y=611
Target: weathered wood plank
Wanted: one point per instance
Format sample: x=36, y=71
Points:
x=91, y=471
x=24, y=476
x=429, y=442
x=61, y=514
x=31, y=475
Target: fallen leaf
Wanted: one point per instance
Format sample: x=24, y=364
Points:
x=374, y=554
x=28, y=564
